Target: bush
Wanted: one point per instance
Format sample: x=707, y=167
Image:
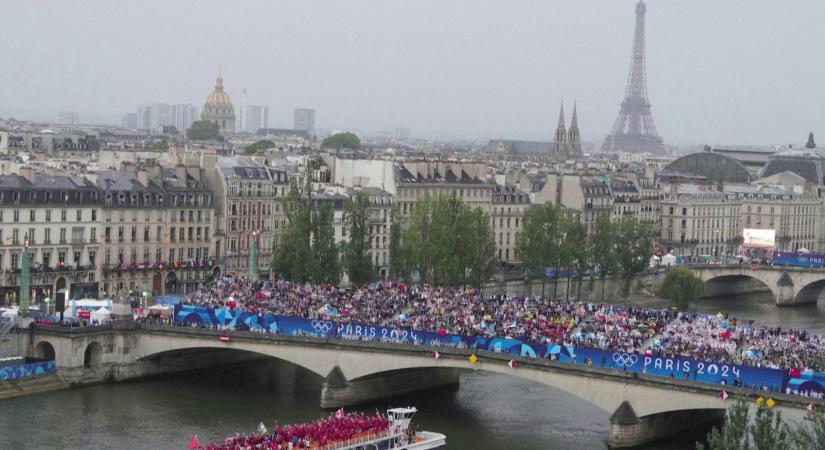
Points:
x=682, y=286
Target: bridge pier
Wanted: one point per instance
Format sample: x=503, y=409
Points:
x=626, y=430
x=337, y=391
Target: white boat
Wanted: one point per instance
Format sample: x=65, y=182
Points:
x=400, y=435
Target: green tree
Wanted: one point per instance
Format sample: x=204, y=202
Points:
x=342, y=140
x=397, y=258
x=811, y=434
x=325, y=252
x=292, y=256
x=539, y=242
x=159, y=146
x=357, y=259
x=603, y=242
x=203, y=130
x=734, y=433
x=264, y=144
x=682, y=286
x=768, y=431
x=479, y=256
x=447, y=242
x=634, y=247
x=577, y=249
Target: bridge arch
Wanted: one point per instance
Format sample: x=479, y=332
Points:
x=44, y=350
x=810, y=292
x=93, y=355
x=729, y=284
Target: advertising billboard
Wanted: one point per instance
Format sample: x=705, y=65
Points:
x=758, y=238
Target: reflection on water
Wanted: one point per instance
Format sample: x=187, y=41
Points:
x=488, y=411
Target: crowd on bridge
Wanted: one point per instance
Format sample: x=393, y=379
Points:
x=472, y=312
x=333, y=432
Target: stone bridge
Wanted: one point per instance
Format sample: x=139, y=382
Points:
x=643, y=408
x=789, y=285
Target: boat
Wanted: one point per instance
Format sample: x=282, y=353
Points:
x=391, y=432
x=400, y=435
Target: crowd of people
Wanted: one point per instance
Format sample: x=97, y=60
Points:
x=536, y=319
x=328, y=433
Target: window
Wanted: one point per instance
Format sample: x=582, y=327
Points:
x=158, y=233
x=47, y=259
x=146, y=233
x=120, y=234
x=63, y=215
x=79, y=215
x=62, y=235
x=92, y=258
x=134, y=234
x=48, y=215
x=16, y=216
x=94, y=215
x=31, y=216
x=172, y=234
x=47, y=238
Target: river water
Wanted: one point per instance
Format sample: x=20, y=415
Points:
x=487, y=412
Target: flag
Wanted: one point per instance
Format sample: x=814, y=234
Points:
x=224, y=338
x=760, y=401
x=811, y=407
x=261, y=428
x=340, y=413
x=193, y=443
x=723, y=395
x=770, y=403
x=512, y=364
x=473, y=359
x=436, y=355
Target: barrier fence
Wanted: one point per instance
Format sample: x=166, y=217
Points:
x=777, y=380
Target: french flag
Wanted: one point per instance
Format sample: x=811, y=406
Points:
x=436, y=355
x=512, y=364
x=723, y=395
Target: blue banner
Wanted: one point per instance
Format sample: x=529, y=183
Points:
x=663, y=366
x=27, y=370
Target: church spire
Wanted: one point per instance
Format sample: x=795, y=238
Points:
x=574, y=141
x=574, y=121
x=562, y=148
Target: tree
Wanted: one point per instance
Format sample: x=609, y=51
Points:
x=342, y=140
x=357, y=258
x=159, y=145
x=734, y=433
x=292, y=256
x=539, y=242
x=768, y=431
x=634, y=247
x=261, y=145
x=577, y=246
x=602, y=248
x=397, y=258
x=203, y=130
x=448, y=242
x=682, y=286
x=327, y=264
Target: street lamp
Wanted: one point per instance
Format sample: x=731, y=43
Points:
x=24, y=276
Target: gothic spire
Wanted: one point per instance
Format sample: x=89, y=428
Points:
x=574, y=121
x=561, y=117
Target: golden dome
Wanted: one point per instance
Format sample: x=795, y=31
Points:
x=218, y=97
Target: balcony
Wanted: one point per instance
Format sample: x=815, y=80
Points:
x=78, y=241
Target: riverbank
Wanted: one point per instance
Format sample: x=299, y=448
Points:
x=22, y=387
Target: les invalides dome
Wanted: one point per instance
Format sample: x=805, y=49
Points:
x=218, y=108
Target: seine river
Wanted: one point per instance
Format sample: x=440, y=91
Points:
x=487, y=412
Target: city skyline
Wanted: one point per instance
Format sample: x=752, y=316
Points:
x=492, y=80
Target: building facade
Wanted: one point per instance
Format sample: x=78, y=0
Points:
x=256, y=118
x=304, y=120
x=696, y=223
x=56, y=220
x=506, y=217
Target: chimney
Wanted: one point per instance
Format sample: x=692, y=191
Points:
x=143, y=177
x=27, y=173
x=180, y=173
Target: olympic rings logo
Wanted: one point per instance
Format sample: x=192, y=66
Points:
x=321, y=326
x=625, y=359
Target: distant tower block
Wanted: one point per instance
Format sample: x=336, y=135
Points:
x=634, y=130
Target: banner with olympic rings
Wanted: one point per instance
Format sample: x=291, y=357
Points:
x=663, y=366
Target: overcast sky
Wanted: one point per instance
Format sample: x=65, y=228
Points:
x=732, y=71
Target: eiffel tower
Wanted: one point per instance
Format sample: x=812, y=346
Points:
x=634, y=130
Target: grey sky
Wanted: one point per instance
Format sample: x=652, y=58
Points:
x=732, y=71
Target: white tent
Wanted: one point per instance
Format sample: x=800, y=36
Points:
x=668, y=260
x=102, y=315
x=653, y=260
